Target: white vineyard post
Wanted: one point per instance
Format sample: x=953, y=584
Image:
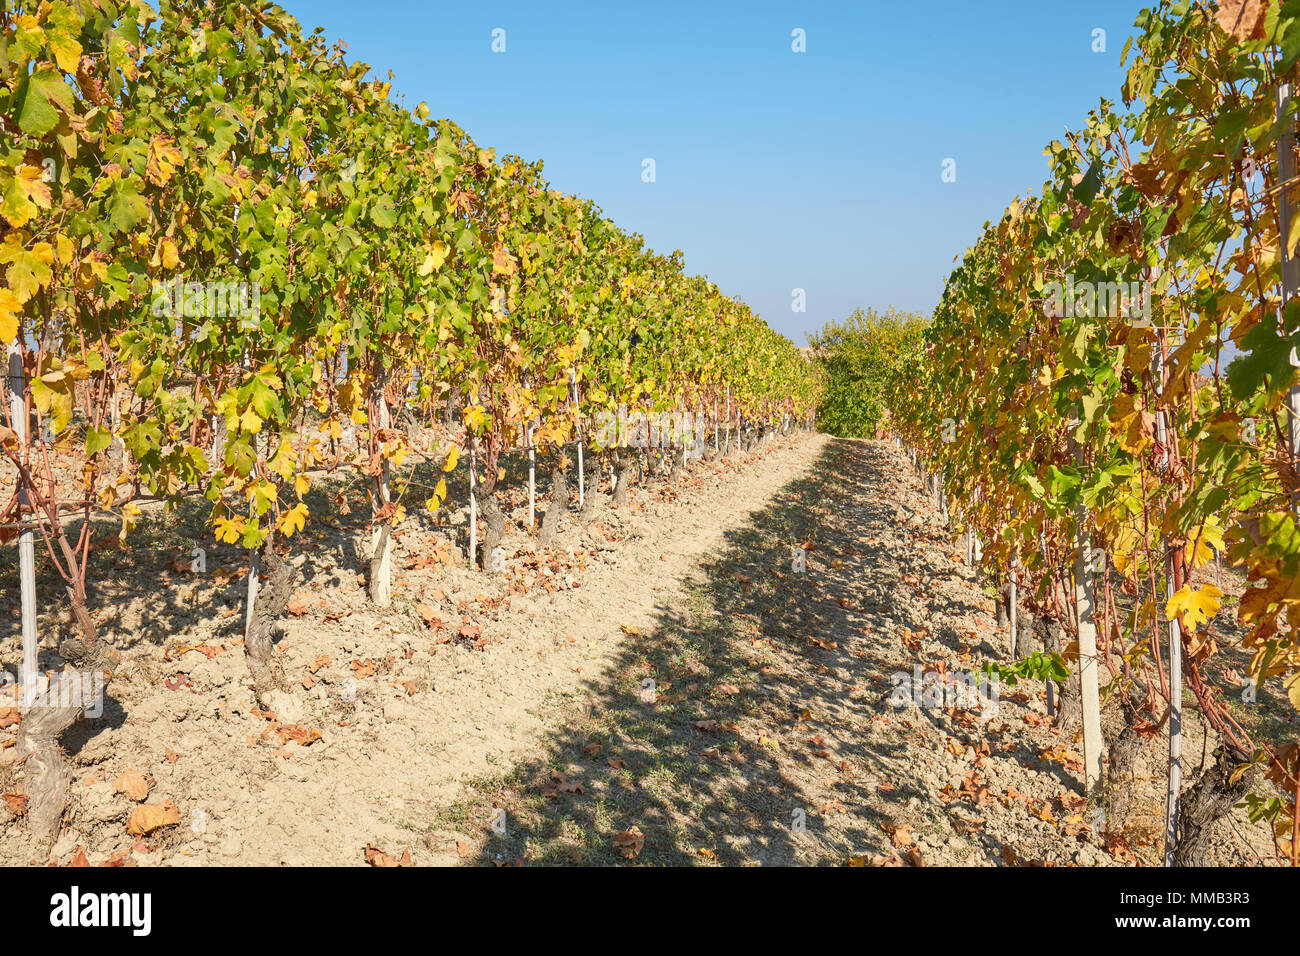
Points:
x=1011, y=608
x=116, y=416
x=532, y=470
x=27, y=539
x=681, y=434
x=577, y=411
x=1173, y=791
x=381, y=549
x=727, y=432
x=473, y=509
x=254, y=583
x=1011, y=597
x=214, y=456
x=715, y=421
x=254, y=568
x=1089, y=683
x=1088, y=678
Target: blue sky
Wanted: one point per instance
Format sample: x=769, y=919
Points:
x=775, y=170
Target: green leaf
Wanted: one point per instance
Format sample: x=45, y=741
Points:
x=29, y=269
x=126, y=206
x=383, y=215
x=40, y=97
x=97, y=439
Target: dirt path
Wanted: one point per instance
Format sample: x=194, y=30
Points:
x=668, y=688
x=778, y=734
x=442, y=687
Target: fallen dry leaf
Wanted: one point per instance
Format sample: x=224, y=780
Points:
x=427, y=614
x=148, y=817
x=298, y=734
x=133, y=784
x=902, y=836
x=79, y=858
x=630, y=842
x=377, y=857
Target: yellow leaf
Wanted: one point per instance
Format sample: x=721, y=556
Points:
x=9, y=311
x=435, y=257
x=64, y=248
x=453, y=456
x=439, y=496
x=301, y=484
x=66, y=49
x=26, y=192
x=1196, y=607
x=1200, y=551
x=1291, y=683
x=249, y=421
x=129, y=513
x=167, y=253
x=230, y=530
x=163, y=159
x=293, y=519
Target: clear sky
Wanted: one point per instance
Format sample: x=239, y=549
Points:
x=774, y=170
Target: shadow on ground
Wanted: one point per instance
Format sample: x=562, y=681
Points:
x=757, y=745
